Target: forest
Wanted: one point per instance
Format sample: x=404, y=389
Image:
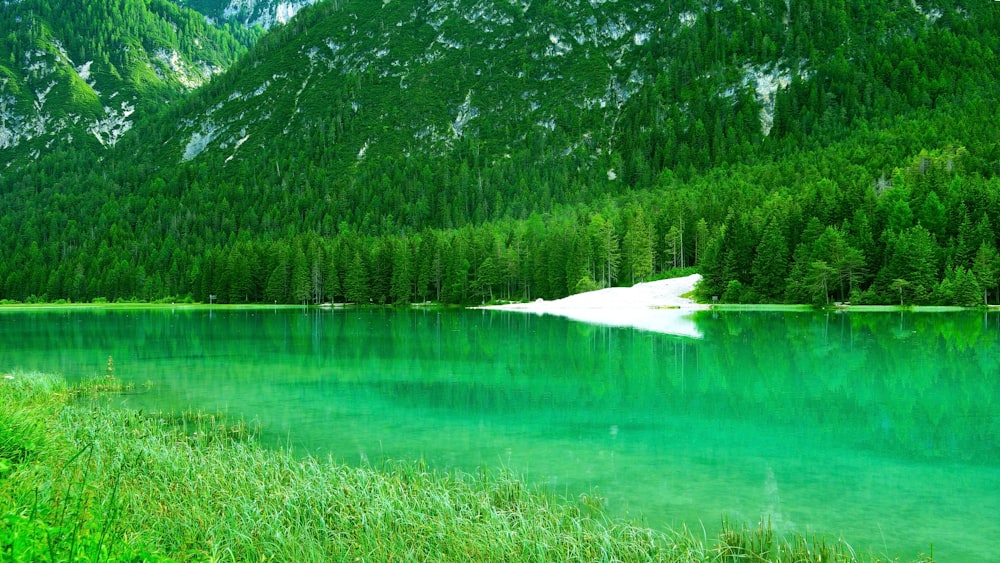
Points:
x=877, y=183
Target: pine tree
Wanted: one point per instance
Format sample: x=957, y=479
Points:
x=701, y=238
x=276, y=290
x=820, y=275
x=637, y=248
x=933, y=215
x=487, y=276
x=986, y=267
x=964, y=288
x=356, y=288
x=331, y=279
x=914, y=260
x=770, y=265
x=317, y=273
x=238, y=275
x=402, y=273
x=607, y=255
x=300, y=284
x=579, y=260
x=380, y=271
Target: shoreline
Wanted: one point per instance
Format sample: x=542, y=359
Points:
x=670, y=294
x=660, y=295
x=662, y=306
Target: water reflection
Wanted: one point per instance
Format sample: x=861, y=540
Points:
x=920, y=385
x=676, y=322
x=883, y=427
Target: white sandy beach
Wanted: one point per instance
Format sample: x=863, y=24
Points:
x=655, y=306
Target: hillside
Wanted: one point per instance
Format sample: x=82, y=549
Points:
x=466, y=112
x=356, y=98
x=78, y=73
x=467, y=150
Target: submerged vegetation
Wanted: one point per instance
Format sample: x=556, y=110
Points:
x=84, y=482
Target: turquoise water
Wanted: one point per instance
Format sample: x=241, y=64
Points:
x=881, y=428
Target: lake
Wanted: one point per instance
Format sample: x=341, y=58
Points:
x=881, y=428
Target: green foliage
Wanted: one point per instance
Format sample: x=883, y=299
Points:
x=116, y=485
x=586, y=284
x=959, y=287
x=356, y=154
x=19, y=440
x=737, y=544
x=986, y=268
x=770, y=267
x=734, y=292
x=77, y=73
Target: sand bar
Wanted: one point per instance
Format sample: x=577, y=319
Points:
x=656, y=306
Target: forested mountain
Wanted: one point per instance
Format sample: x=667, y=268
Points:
x=80, y=72
x=465, y=150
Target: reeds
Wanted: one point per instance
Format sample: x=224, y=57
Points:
x=93, y=483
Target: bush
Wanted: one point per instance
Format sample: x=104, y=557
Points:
x=733, y=293
x=586, y=284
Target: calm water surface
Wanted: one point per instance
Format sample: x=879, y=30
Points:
x=883, y=428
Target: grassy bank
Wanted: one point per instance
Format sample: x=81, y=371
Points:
x=80, y=482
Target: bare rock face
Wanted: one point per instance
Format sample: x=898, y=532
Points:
x=263, y=13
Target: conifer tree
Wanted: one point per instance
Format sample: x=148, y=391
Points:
x=986, y=268
x=607, y=255
x=770, y=266
x=637, y=247
x=402, y=273
x=356, y=282
x=300, y=283
x=277, y=289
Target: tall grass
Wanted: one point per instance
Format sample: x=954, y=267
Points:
x=89, y=483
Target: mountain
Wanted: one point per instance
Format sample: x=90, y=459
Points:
x=80, y=72
x=443, y=95
x=490, y=109
x=427, y=149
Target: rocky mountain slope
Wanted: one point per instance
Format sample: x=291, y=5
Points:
x=80, y=72
x=476, y=102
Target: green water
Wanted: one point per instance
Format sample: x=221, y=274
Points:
x=882, y=428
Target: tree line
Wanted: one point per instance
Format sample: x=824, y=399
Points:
x=926, y=234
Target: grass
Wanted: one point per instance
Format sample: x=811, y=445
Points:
x=84, y=482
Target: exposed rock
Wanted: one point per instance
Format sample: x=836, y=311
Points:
x=264, y=14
